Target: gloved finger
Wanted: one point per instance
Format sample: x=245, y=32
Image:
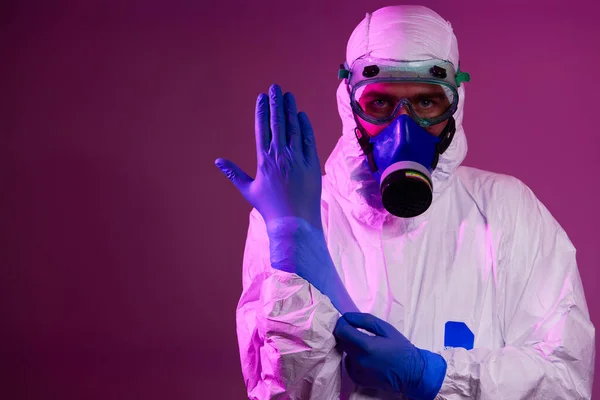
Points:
x=349, y=339
x=370, y=323
x=309, y=146
x=262, y=130
x=277, y=119
x=360, y=372
x=342, y=345
x=353, y=368
x=239, y=178
x=292, y=124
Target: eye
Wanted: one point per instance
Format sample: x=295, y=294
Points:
x=427, y=103
x=380, y=103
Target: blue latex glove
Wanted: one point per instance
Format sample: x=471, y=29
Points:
x=297, y=247
x=388, y=360
x=288, y=173
x=287, y=193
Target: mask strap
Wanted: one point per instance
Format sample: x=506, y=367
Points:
x=362, y=136
x=447, y=136
x=364, y=141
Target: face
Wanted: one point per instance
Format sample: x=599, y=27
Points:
x=380, y=99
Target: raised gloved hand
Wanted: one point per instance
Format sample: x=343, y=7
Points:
x=288, y=173
x=388, y=360
x=287, y=193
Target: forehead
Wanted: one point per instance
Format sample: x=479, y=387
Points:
x=403, y=89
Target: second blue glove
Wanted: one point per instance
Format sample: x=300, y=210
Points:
x=388, y=360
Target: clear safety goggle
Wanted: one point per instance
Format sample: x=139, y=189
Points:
x=380, y=88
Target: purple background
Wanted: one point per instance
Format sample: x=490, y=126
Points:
x=122, y=243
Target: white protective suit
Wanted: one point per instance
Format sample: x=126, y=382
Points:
x=486, y=253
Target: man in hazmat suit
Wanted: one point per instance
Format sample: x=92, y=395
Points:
x=400, y=274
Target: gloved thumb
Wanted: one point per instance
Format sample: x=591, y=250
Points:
x=369, y=323
x=234, y=173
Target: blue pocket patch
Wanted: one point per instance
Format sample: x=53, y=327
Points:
x=458, y=334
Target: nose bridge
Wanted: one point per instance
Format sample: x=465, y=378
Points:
x=403, y=107
x=403, y=110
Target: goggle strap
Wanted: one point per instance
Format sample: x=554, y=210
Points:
x=462, y=77
x=344, y=71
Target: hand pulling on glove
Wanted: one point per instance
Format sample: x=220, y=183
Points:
x=388, y=360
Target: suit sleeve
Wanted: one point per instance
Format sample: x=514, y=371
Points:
x=284, y=329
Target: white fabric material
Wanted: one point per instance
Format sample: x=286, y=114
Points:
x=486, y=253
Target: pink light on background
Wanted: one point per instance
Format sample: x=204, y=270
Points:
x=123, y=243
